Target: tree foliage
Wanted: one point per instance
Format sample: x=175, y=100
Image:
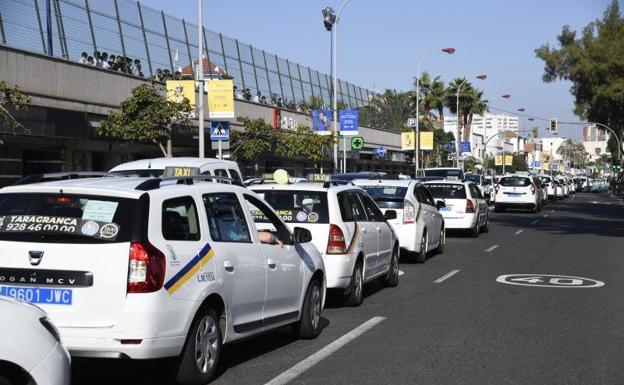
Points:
x=11, y=100
x=147, y=116
x=593, y=61
x=388, y=111
x=573, y=152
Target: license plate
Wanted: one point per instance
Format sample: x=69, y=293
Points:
x=447, y=208
x=38, y=295
x=514, y=195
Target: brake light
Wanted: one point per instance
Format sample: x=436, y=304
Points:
x=470, y=208
x=146, y=270
x=409, y=213
x=533, y=189
x=336, y=243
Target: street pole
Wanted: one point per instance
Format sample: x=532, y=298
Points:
x=458, y=126
x=335, y=81
x=333, y=96
x=200, y=78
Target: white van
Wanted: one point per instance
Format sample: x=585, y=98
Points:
x=156, y=166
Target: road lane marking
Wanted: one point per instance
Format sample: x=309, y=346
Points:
x=446, y=276
x=401, y=272
x=549, y=280
x=545, y=215
x=519, y=231
x=322, y=354
x=489, y=249
x=535, y=221
x=552, y=211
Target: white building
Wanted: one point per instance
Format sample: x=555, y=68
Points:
x=595, y=142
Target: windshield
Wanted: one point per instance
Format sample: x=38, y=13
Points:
x=515, y=181
x=447, y=191
x=446, y=173
x=386, y=192
x=473, y=178
x=66, y=218
x=295, y=206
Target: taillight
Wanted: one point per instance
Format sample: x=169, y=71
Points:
x=146, y=270
x=533, y=189
x=470, y=208
x=409, y=213
x=496, y=188
x=336, y=242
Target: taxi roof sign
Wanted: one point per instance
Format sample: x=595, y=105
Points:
x=181, y=171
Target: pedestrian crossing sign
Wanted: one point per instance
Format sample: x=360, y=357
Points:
x=219, y=131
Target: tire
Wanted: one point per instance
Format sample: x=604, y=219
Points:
x=392, y=278
x=486, y=225
x=4, y=380
x=442, y=242
x=474, y=232
x=421, y=257
x=204, y=339
x=309, y=326
x=355, y=294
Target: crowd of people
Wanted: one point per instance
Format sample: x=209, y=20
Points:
x=275, y=101
x=117, y=63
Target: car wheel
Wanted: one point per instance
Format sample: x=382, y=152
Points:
x=442, y=242
x=474, y=232
x=202, y=350
x=309, y=326
x=356, y=288
x=392, y=278
x=486, y=225
x=421, y=257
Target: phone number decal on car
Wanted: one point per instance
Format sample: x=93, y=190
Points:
x=58, y=225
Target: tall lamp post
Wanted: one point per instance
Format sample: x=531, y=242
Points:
x=200, y=79
x=330, y=20
x=480, y=77
x=449, y=51
x=505, y=96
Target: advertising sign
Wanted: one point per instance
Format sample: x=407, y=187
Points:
x=498, y=160
x=321, y=122
x=508, y=160
x=220, y=99
x=464, y=147
x=426, y=140
x=348, y=122
x=407, y=141
x=178, y=90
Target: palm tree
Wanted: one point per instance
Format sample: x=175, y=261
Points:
x=388, y=111
x=470, y=102
x=432, y=95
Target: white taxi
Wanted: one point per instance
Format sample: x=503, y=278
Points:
x=464, y=207
x=419, y=225
x=151, y=268
x=181, y=166
x=357, y=242
x=517, y=191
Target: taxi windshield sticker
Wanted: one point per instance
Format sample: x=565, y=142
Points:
x=103, y=211
x=59, y=225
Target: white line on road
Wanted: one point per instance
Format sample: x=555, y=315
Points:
x=446, y=276
x=489, y=249
x=322, y=354
x=545, y=215
x=401, y=272
x=519, y=231
x=552, y=211
x=535, y=221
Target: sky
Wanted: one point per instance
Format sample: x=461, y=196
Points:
x=381, y=42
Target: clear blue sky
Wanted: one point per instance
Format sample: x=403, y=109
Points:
x=381, y=42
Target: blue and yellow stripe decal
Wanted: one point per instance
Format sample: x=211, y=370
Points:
x=191, y=268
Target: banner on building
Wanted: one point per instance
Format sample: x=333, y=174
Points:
x=220, y=99
x=426, y=140
x=322, y=121
x=407, y=141
x=498, y=160
x=178, y=90
x=508, y=160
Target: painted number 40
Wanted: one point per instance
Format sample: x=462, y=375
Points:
x=551, y=281
x=548, y=280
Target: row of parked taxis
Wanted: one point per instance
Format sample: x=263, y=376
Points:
x=149, y=261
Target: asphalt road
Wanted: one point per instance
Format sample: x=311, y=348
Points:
x=465, y=329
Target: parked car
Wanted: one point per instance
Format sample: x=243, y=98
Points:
x=517, y=192
x=418, y=225
x=355, y=239
x=31, y=351
x=484, y=185
x=464, y=208
x=182, y=166
x=151, y=268
x=449, y=173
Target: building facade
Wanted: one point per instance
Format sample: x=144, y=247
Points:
x=595, y=141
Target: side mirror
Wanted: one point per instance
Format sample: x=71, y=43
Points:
x=302, y=235
x=390, y=214
x=440, y=204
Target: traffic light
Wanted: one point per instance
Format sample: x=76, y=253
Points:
x=553, y=125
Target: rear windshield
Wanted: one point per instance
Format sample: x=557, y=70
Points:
x=474, y=178
x=295, y=206
x=515, y=181
x=148, y=173
x=446, y=174
x=387, y=197
x=66, y=218
x=447, y=191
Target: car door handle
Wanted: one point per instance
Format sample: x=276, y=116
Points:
x=228, y=266
x=271, y=263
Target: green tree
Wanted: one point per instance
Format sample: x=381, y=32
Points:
x=147, y=116
x=257, y=139
x=432, y=95
x=573, y=152
x=388, y=111
x=11, y=100
x=593, y=61
x=315, y=103
x=471, y=102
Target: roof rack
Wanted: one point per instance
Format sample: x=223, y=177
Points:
x=30, y=179
x=154, y=183
x=254, y=181
x=337, y=182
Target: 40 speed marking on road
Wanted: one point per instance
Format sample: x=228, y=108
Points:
x=547, y=280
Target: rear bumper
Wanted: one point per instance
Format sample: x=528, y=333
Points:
x=338, y=270
x=516, y=205
x=465, y=222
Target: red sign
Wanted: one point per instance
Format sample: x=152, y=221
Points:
x=277, y=118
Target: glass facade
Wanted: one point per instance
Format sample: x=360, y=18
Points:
x=160, y=41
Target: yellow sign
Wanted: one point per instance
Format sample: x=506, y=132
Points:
x=498, y=160
x=220, y=99
x=178, y=90
x=545, y=166
x=407, y=141
x=426, y=140
x=508, y=160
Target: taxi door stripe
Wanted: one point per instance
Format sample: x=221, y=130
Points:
x=190, y=269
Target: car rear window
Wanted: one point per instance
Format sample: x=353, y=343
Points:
x=66, y=218
x=447, y=191
x=295, y=206
x=450, y=174
x=473, y=178
x=515, y=181
x=387, y=196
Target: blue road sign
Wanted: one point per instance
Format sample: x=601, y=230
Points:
x=321, y=121
x=380, y=151
x=464, y=147
x=537, y=164
x=348, y=122
x=554, y=166
x=219, y=131
x=450, y=147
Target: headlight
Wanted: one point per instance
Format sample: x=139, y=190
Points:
x=51, y=328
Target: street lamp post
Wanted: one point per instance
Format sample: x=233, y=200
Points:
x=449, y=51
x=480, y=77
x=200, y=78
x=505, y=96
